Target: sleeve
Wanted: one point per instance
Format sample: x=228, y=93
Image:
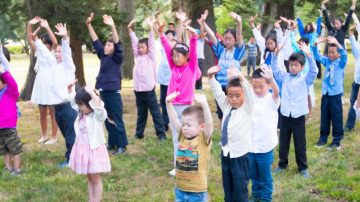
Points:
x=260, y=41
x=343, y=58
x=249, y=96
x=294, y=44
x=279, y=35
x=345, y=27
x=134, y=43
x=118, y=53
x=327, y=20
x=357, y=23
x=278, y=74
x=318, y=25
x=317, y=56
x=217, y=49
x=312, y=73
x=12, y=87
x=67, y=56
x=99, y=112
x=354, y=47
x=219, y=94
x=3, y=60
x=71, y=99
x=167, y=48
x=239, y=52
x=193, y=60
x=99, y=49
x=300, y=27
x=152, y=46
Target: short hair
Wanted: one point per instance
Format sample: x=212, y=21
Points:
x=297, y=57
x=311, y=28
x=6, y=53
x=196, y=110
x=170, y=32
x=83, y=97
x=331, y=45
x=257, y=74
x=235, y=82
x=305, y=40
x=181, y=48
x=144, y=41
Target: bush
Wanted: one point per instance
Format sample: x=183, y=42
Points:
x=15, y=49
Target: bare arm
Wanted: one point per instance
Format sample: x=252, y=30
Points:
x=92, y=32
x=208, y=29
x=53, y=39
x=30, y=35
x=208, y=129
x=171, y=111
x=110, y=22
x=238, y=28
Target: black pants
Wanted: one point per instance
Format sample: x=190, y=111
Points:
x=235, y=174
x=218, y=110
x=147, y=101
x=198, y=84
x=318, y=64
x=295, y=126
x=350, y=123
x=65, y=117
x=163, y=92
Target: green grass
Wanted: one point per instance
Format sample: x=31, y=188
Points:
x=142, y=174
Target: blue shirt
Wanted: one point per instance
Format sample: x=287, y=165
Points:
x=164, y=72
x=333, y=81
x=294, y=91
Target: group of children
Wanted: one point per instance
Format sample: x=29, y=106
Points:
x=250, y=113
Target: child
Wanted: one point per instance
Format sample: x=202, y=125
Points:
x=89, y=155
x=264, y=136
x=144, y=75
x=236, y=133
x=193, y=154
x=357, y=106
x=350, y=123
x=251, y=55
x=200, y=52
x=184, y=73
x=108, y=82
x=10, y=143
x=229, y=52
x=41, y=93
x=332, y=90
x=294, y=107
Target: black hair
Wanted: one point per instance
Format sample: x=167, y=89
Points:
x=1, y=79
x=195, y=110
x=311, y=28
x=257, y=74
x=45, y=38
x=170, y=23
x=297, y=57
x=338, y=18
x=144, y=41
x=271, y=36
x=83, y=98
x=170, y=32
x=6, y=53
x=305, y=40
x=181, y=48
x=331, y=45
x=235, y=82
x=231, y=31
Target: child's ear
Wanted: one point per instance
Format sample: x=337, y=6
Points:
x=202, y=126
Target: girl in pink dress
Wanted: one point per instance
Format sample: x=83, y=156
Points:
x=89, y=154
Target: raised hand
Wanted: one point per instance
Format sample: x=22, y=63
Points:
x=131, y=23
x=62, y=31
x=172, y=96
x=161, y=27
x=89, y=90
x=34, y=34
x=72, y=84
x=190, y=29
x=323, y=4
x=200, y=98
x=213, y=70
x=90, y=18
x=266, y=73
x=252, y=21
x=44, y=23
x=353, y=5
x=320, y=40
x=304, y=48
x=35, y=20
x=181, y=15
x=235, y=16
x=107, y=19
x=150, y=21
x=233, y=73
x=333, y=40
x=277, y=23
x=205, y=15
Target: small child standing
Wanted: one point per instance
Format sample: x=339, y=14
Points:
x=144, y=75
x=251, y=55
x=89, y=154
x=264, y=136
x=236, y=133
x=193, y=154
x=10, y=143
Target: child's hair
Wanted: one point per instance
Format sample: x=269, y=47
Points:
x=235, y=82
x=231, y=31
x=331, y=45
x=83, y=98
x=45, y=38
x=144, y=41
x=257, y=74
x=170, y=23
x=170, y=32
x=270, y=36
x=297, y=57
x=338, y=18
x=181, y=48
x=195, y=110
x=305, y=40
x=311, y=28
x=6, y=53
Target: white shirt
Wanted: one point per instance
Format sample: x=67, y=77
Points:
x=357, y=110
x=240, y=124
x=200, y=48
x=264, y=122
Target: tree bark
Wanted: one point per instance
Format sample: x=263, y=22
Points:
x=78, y=58
x=26, y=91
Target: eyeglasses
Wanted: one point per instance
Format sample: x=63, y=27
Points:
x=179, y=45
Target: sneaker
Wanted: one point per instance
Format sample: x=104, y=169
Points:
x=121, y=150
x=51, y=141
x=333, y=146
x=305, y=174
x=139, y=137
x=43, y=139
x=347, y=129
x=279, y=170
x=63, y=164
x=162, y=138
x=15, y=172
x=172, y=172
x=320, y=144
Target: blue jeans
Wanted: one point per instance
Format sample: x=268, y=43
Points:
x=350, y=123
x=114, y=108
x=183, y=196
x=260, y=175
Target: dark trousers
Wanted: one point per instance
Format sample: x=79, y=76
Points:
x=198, y=84
x=286, y=63
x=251, y=64
x=331, y=111
x=235, y=174
x=218, y=110
x=163, y=92
x=350, y=123
x=318, y=64
x=295, y=126
x=146, y=101
x=65, y=117
x=114, y=108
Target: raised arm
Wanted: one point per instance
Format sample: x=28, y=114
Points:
x=354, y=45
x=3, y=60
x=238, y=20
x=325, y=14
x=278, y=73
x=151, y=41
x=12, y=87
x=346, y=25
x=107, y=19
x=260, y=41
x=300, y=27
x=342, y=52
x=29, y=33
x=208, y=129
x=268, y=75
x=97, y=105
x=316, y=53
x=318, y=24
x=65, y=46
x=171, y=111
x=215, y=86
x=92, y=32
x=313, y=70
x=133, y=37
x=45, y=25
x=208, y=30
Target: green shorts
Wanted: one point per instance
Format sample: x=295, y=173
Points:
x=10, y=142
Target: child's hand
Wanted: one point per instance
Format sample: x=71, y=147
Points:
x=213, y=70
x=44, y=23
x=332, y=40
x=35, y=20
x=320, y=40
x=70, y=86
x=34, y=34
x=107, y=19
x=150, y=21
x=200, y=98
x=172, y=96
x=233, y=73
x=236, y=17
x=277, y=23
x=266, y=73
x=161, y=28
x=252, y=21
x=90, y=18
x=89, y=90
x=353, y=5
x=131, y=23
x=190, y=29
x=62, y=31
x=304, y=48
x=181, y=15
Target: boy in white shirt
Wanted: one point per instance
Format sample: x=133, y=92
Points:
x=264, y=133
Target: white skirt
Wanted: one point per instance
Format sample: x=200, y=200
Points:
x=41, y=93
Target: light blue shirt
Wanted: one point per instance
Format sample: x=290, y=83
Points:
x=164, y=72
x=294, y=92
x=356, y=52
x=333, y=81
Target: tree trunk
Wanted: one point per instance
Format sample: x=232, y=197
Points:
x=26, y=91
x=128, y=8
x=78, y=59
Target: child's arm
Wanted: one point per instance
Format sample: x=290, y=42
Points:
x=268, y=75
x=171, y=111
x=219, y=94
x=166, y=45
x=316, y=53
x=97, y=105
x=151, y=40
x=3, y=60
x=117, y=55
x=202, y=34
x=300, y=26
x=92, y=32
x=260, y=40
x=133, y=37
x=208, y=30
x=342, y=52
x=294, y=43
x=355, y=49
x=45, y=25
x=346, y=25
x=275, y=67
x=181, y=16
x=65, y=46
x=193, y=63
x=325, y=14
x=208, y=130
x=30, y=34
x=238, y=19
x=313, y=70
x=318, y=24
x=12, y=87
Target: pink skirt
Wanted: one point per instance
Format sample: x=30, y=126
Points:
x=83, y=160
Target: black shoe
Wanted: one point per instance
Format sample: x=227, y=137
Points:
x=320, y=144
x=334, y=146
x=162, y=138
x=347, y=129
x=121, y=150
x=139, y=137
x=110, y=148
x=166, y=127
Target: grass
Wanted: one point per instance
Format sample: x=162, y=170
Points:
x=142, y=174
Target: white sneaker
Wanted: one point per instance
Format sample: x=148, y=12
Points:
x=51, y=141
x=172, y=172
x=43, y=139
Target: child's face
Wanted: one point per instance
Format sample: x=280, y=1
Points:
x=143, y=49
x=109, y=48
x=58, y=54
x=235, y=96
x=270, y=44
x=333, y=53
x=228, y=40
x=170, y=36
x=84, y=109
x=179, y=59
x=191, y=125
x=337, y=24
x=295, y=67
x=260, y=86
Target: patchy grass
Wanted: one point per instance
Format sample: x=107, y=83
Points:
x=142, y=174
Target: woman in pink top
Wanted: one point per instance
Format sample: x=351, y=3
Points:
x=184, y=73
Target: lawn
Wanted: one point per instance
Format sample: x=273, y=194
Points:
x=142, y=173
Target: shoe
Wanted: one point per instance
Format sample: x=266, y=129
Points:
x=279, y=170
x=162, y=138
x=166, y=127
x=15, y=172
x=120, y=150
x=320, y=144
x=110, y=148
x=172, y=172
x=305, y=174
x=347, y=129
x=63, y=164
x=139, y=137
x=51, y=141
x=333, y=146
x=43, y=139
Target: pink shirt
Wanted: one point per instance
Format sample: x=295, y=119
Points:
x=183, y=78
x=144, y=72
x=8, y=112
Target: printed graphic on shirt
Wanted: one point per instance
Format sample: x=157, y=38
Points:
x=187, y=158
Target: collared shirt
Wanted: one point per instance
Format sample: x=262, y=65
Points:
x=355, y=49
x=295, y=88
x=240, y=124
x=333, y=81
x=251, y=50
